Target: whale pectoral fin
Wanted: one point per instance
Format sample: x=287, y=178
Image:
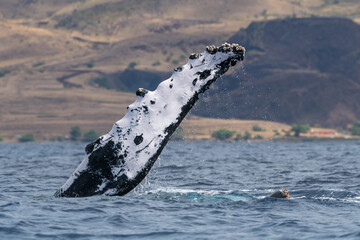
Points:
x=118, y=161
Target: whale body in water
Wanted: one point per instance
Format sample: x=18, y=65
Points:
x=118, y=161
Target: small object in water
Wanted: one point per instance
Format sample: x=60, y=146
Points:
x=280, y=194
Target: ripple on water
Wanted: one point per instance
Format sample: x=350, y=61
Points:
x=201, y=190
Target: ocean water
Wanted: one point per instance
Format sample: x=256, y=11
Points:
x=196, y=190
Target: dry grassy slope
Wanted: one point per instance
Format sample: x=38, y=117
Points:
x=202, y=128
x=36, y=51
x=22, y=46
x=121, y=23
x=49, y=110
x=187, y=25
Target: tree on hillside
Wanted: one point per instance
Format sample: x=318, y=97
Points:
x=247, y=135
x=238, y=137
x=29, y=137
x=75, y=133
x=91, y=136
x=257, y=128
x=355, y=129
x=223, y=134
x=299, y=128
x=132, y=65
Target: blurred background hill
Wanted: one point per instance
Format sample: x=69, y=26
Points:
x=77, y=62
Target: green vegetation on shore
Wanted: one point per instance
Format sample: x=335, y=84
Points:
x=257, y=128
x=247, y=135
x=355, y=129
x=90, y=136
x=75, y=133
x=286, y=135
x=29, y=137
x=198, y=128
x=223, y=134
x=58, y=138
x=298, y=128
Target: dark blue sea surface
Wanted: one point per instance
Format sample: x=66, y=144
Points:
x=196, y=190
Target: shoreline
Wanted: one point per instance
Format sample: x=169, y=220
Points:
x=195, y=128
x=280, y=139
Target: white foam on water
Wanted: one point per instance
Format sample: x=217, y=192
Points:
x=187, y=191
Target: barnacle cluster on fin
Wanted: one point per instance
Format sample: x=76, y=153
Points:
x=226, y=47
x=141, y=92
x=194, y=56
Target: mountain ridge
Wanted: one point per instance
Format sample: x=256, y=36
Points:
x=47, y=73
x=296, y=74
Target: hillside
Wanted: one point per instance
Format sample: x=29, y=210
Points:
x=58, y=59
x=297, y=71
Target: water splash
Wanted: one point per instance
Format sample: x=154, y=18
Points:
x=191, y=195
